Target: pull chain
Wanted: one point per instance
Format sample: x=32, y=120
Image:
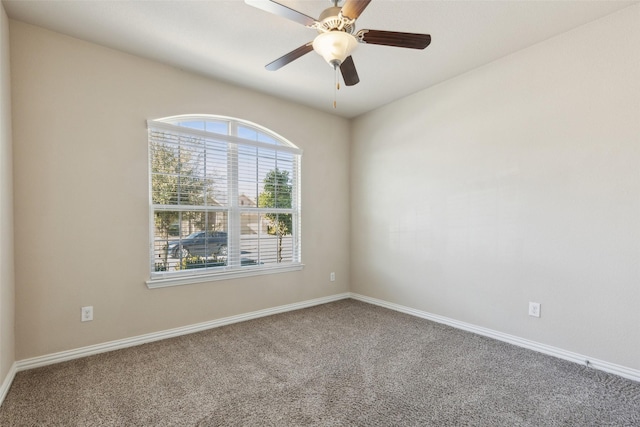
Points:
x=337, y=85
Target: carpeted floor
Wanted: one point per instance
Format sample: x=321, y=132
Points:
x=345, y=363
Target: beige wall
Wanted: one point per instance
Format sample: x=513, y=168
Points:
x=81, y=205
x=6, y=207
x=516, y=182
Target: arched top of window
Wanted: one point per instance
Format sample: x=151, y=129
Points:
x=222, y=125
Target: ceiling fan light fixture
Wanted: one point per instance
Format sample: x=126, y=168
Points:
x=334, y=46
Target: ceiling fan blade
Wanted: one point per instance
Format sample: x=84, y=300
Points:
x=349, y=73
x=353, y=8
x=393, y=38
x=282, y=10
x=289, y=57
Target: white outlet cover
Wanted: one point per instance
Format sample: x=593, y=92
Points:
x=86, y=314
x=534, y=309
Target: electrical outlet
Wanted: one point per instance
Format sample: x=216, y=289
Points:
x=332, y=277
x=86, y=314
x=534, y=309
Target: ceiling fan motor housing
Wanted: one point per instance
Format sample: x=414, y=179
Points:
x=331, y=20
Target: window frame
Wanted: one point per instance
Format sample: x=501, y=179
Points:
x=233, y=208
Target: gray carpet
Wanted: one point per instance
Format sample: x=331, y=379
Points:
x=345, y=363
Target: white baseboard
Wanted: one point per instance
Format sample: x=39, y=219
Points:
x=64, y=356
x=623, y=371
x=6, y=384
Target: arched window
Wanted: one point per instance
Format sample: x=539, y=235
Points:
x=225, y=200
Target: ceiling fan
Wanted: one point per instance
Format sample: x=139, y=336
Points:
x=337, y=37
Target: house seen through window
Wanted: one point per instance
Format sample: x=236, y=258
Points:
x=225, y=198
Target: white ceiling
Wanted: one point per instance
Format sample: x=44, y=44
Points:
x=232, y=41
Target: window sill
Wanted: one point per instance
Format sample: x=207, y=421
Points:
x=163, y=281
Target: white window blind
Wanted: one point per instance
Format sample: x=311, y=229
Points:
x=225, y=200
